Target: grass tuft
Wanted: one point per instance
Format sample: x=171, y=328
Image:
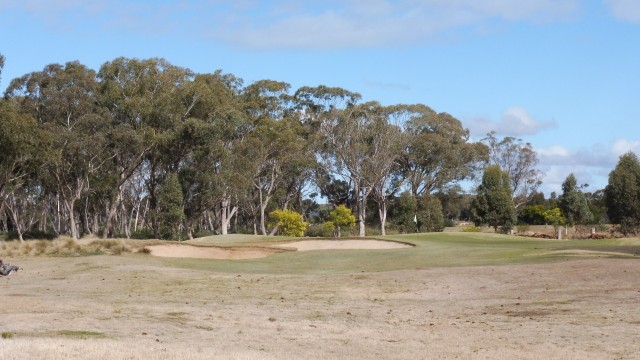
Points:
x=7, y=335
x=81, y=334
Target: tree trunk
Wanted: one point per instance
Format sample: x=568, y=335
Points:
x=111, y=213
x=362, y=211
x=226, y=214
x=382, y=212
x=14, y=213
x=72, y=219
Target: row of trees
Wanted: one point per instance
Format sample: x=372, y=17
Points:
x=144, y=146
x=147, y=146
x=618, y=203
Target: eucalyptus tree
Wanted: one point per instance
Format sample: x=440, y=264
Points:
x=62, y=100
x=337, y=123
x=18, y=140
x=278, y=154
x=270, y=144
x=381, y=162
x=519, y=160
x=214, y=176
x=438, y=153
x=146, y=100
x=359, y=145
x=2, y=60
x=20, y=144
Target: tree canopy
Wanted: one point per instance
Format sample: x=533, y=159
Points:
x=622, y=194
x=86, y=151
x=493, y=204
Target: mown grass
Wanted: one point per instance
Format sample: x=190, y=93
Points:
x=431, y=250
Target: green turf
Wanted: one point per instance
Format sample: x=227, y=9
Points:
x=431, y=250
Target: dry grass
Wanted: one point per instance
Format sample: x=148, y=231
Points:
x=141, y=307
x=66, y=246
x=136, y=306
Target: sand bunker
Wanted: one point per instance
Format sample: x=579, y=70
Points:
x=307, y=245
x=201, y=252
x=206, y=252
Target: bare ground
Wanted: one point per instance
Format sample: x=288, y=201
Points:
x=140, y=307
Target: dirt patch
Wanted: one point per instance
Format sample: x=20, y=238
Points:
x=578, y=309
x=209, y=252
x=591, y=253
x=308, y=245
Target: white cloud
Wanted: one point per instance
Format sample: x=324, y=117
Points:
x=590, y=165
x=359, y=23
x=623, y=146
x=628, y=10
x=514, y=121
x=314, y=24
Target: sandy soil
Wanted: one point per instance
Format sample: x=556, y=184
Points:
x=308, y=245
x=204, y=252
x=209, y=252
x=141, y=308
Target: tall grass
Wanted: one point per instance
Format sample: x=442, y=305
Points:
x=64, y=246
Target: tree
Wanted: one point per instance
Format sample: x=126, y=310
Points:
x=429, y=214
x=2, y=59
x=170, y=208
x=341, y=217
x=554, y=217
x=345, y=141
x=573, y=202
x=493, y=204
x=403, y=212
x=532, y=215
x=519, y=160
x=20, y=140
x=61, y=99
x=381, y=168
x=145, y=100
x=455, y=203
x=622, y=194
x=289, y=222
x=437, y=153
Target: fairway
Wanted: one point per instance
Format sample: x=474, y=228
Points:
x=450, y=296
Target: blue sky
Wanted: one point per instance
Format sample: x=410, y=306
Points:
x=563, y=75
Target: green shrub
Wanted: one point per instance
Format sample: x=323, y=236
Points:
x=321, y=230
x=33, y=234
x=471, y=228
x=142, y=234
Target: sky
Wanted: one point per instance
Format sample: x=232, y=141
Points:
x=563, y=75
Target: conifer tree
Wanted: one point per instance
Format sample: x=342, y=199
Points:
x=573, y=203
x=622, y=194
x=493, y=204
